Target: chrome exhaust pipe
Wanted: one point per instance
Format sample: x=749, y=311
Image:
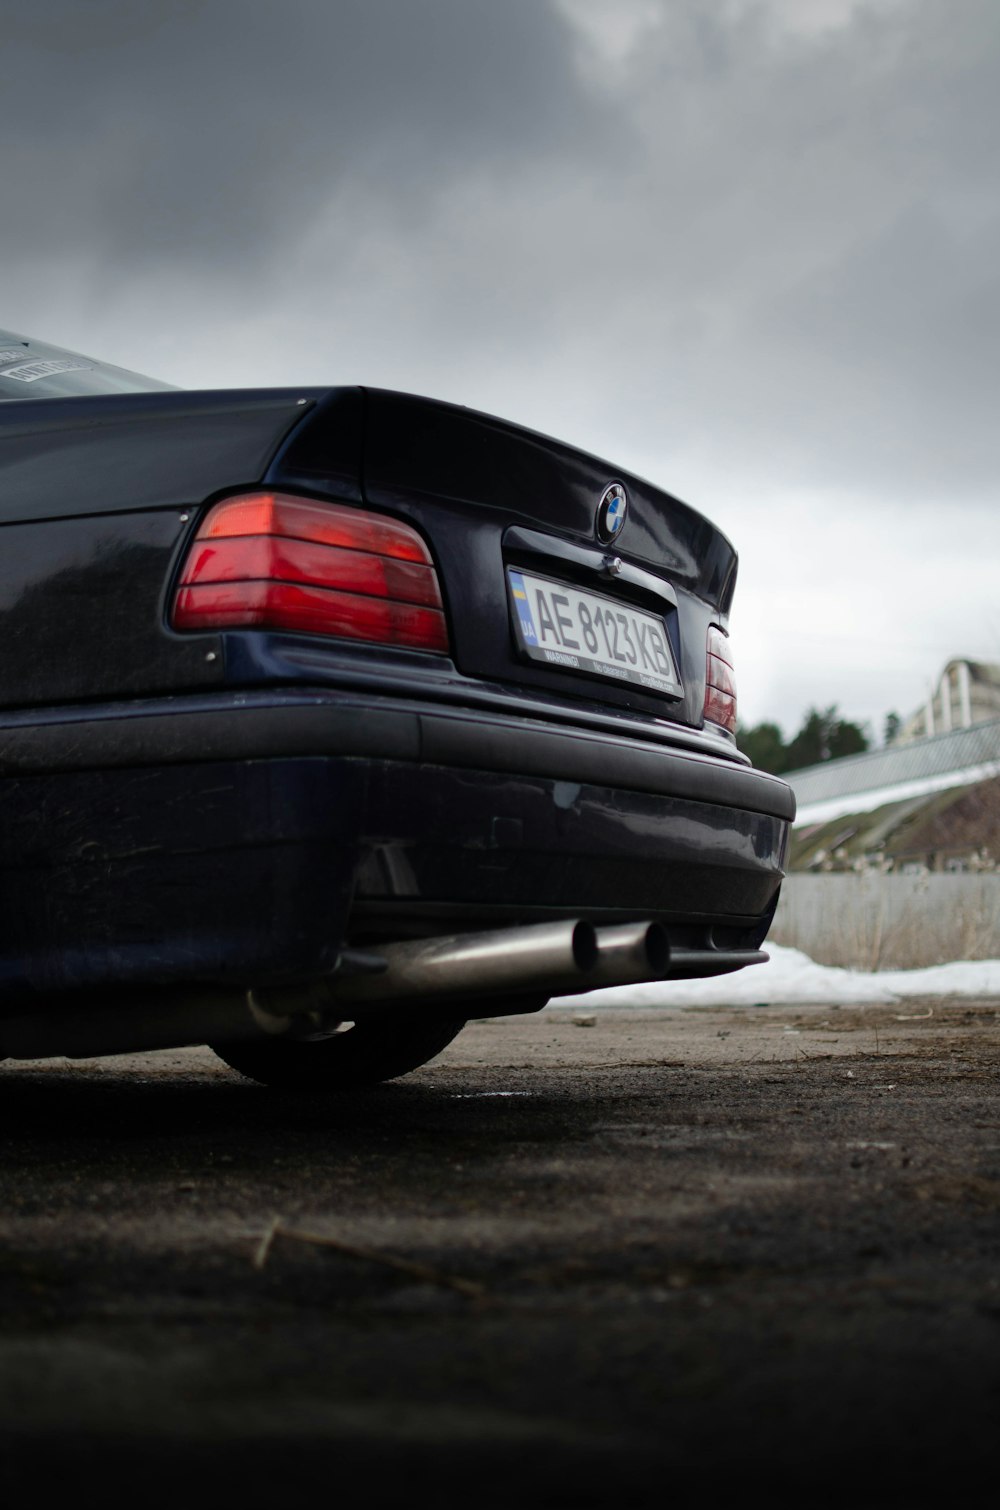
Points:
x=629, y=953
x=542, y=957
x=549, y=957
x=560, y=959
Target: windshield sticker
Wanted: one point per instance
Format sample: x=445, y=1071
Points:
x=11, y=356
x=30, y=372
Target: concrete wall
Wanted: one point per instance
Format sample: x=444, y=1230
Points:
x=876, y=922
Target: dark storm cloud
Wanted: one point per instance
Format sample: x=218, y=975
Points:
x=215, y=132
x=814, y=230
x=880, y=339
x=761, y=235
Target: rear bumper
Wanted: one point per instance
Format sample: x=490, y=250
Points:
x=246, y=838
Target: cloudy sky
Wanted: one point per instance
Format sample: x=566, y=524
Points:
x=749, y=249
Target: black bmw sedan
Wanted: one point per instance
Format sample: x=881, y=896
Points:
x=331, y=717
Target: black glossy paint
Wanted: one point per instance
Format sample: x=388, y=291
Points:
x=480, y=488
x=240, y=806
x=82, y=606
x=225, y=726
x=226, y=871
x=97, y=496
x=138, y=451
x=418, y=450
x=259, y=870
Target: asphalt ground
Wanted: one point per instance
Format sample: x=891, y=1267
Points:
x=582, y=1259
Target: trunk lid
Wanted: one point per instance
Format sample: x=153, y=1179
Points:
x=503, y=506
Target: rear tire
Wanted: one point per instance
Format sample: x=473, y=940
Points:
x=364, y=1053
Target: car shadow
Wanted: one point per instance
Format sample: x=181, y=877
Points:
x=79, y=1108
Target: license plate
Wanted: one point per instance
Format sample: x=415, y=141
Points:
x=584, y=631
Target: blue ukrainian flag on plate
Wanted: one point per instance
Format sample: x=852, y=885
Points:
x=523, y=606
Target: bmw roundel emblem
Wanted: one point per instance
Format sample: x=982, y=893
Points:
x=611, y=513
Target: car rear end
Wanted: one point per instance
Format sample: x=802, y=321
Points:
x=290, y=676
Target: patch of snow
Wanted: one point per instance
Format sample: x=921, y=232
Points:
x=792, y=977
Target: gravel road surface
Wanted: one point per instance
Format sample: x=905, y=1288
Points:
x=625, y=1258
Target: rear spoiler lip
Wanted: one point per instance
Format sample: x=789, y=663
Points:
x=420, y=450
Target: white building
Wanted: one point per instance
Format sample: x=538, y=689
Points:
x=967, y=693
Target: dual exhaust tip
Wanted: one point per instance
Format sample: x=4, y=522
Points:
x=555, y=958
x=480, y=974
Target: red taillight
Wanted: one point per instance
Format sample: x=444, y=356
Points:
x=271, y=561
x=720, y=681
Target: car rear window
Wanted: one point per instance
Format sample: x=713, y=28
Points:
x=33, y=369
